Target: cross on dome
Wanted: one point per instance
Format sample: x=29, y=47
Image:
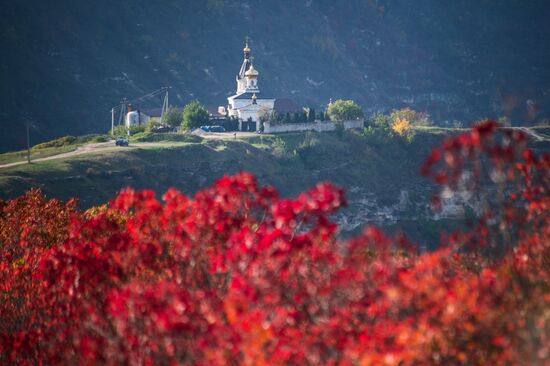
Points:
x=246, y=48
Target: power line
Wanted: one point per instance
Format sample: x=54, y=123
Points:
x=123, y=106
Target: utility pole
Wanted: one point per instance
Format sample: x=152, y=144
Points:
x=28, y=143
x=122, y=108
x=112, y=121
x=121, y=121
x=164, y=106
x=122, y=111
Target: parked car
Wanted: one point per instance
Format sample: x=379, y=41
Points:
x=217, y=129
x=205, y=128
x=121, y=141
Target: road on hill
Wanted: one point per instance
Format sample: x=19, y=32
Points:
x=110, y=146
x=84, y=149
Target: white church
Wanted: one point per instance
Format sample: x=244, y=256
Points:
x=248, y=104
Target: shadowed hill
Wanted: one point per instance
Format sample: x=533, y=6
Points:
x=380, y=173
x=65, y=64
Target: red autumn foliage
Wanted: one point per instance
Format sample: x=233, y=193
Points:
x=237, y=275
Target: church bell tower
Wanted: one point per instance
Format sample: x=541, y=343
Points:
x=241, y=77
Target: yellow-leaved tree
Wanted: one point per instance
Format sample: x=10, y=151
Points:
x=401, y=126
x=415, y=118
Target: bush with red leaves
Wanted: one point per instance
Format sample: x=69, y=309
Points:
x=237, y=275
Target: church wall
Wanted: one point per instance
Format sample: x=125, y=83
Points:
x=265, y=106
x=241, y=86
x=244, y=109
x=245, y=115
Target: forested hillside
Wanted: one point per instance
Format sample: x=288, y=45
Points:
x=66, y=63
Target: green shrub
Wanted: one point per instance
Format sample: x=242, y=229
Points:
x=152, y=124
x=137, y=129
x=100, y=138
x=71, y=140
x=121, y=130
x=62, y=141
x=379, y=119
x=158, y=137
x=279, y=148
x=174, y=117
x=378, y=136
x=343, y=110
x=94, y=138
x=194, y=115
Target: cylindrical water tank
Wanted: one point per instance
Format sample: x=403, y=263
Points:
x=133, y=118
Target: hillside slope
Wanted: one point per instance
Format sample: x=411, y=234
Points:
x=379, y=174
x=65, y=64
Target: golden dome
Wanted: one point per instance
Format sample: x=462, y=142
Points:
x=251, y=72
x=246, y=48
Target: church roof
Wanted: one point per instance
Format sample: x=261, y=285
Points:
x=251, y=71
x=248, y=95
x=152, y=112
x=285, y=105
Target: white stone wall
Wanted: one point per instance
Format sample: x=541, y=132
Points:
x=310, y=126
x=358, y=123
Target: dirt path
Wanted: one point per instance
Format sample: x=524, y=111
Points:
x=87, y=149
x=109, y=146
x=84, y=149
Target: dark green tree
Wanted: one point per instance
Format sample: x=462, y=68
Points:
x=379, y=119
x=173, y=117
x=310, y=114
x=287, y=118
x=343, y=110
x=194, y=115
x=340, y=129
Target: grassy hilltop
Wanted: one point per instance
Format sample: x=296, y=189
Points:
x=379, y=172
x=373, y=167
x=291, y=162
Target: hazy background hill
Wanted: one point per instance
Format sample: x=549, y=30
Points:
x=65, y=63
